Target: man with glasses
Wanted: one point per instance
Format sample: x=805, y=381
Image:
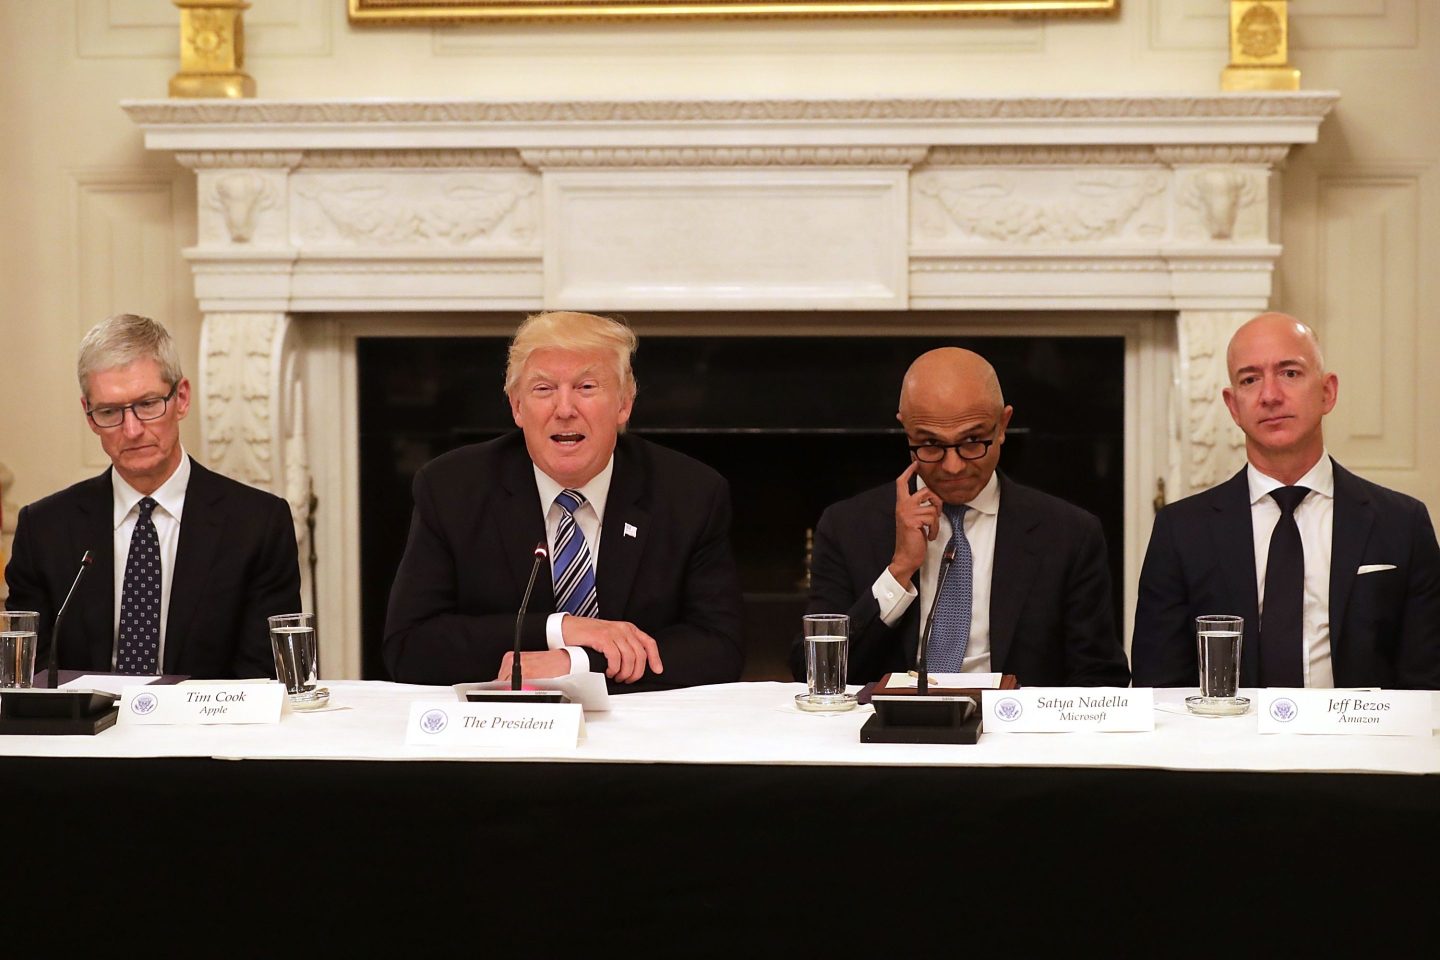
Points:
x=1028, y=587
x=187, y=564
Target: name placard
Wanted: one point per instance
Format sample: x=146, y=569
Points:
x=1385, y=713
x=538, y=726
x=207, y=703
x=1068, y=709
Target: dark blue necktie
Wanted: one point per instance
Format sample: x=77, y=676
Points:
x=1281, y=620
x=138, y=649
x=951, y=632
x=574, y=573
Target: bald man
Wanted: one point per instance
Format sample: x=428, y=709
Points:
x=1338, y=579
x=1029, y=590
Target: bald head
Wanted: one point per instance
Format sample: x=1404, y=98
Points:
x=950, y=379
x=1278, y=328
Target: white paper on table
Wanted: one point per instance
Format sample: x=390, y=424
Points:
x=982, y=681
x=108, y=683
x=586, y=689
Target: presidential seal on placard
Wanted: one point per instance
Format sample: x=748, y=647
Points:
x=433, y=721
x=144, y=703
x=1283, y=710
x=1008, y=710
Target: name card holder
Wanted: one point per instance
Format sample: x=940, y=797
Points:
x=531, y=727
x=1069, y=710
x=202, y=703
x=1381, y=713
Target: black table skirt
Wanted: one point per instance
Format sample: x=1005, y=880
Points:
x=515, y=859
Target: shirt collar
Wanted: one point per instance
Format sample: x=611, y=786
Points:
x=596, y=491
x=170, y=496
x=1319, y=478
x=987, y=501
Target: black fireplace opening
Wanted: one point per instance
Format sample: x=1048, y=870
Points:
x=794, y=423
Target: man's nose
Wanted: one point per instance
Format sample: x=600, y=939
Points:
x=953, y=462
x=564, y=404
x=1270, y=390
x=131, y=425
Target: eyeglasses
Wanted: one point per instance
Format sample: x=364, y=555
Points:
x=935, y=452
x=151, y=408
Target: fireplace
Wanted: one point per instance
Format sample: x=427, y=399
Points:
x=1143, y=222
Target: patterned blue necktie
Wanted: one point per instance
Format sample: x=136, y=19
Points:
x=138, y=649
x=574, y=573
x=951, y=632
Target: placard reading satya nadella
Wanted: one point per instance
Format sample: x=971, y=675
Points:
x=1068, y=709
x=203, y=703
x=1393, y=713
x=521, y=726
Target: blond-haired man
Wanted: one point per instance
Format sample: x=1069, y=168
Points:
x=1337, y=578
x=642, y=584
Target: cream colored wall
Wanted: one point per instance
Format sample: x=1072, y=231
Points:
x=93, y=223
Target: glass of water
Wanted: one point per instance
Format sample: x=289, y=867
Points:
x=1218, y=641
x=296, y=648
x=827, y=655
x=17, y=647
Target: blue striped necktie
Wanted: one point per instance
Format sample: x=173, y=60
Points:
x=574, y=573
x=951, y=632
x=138, y=647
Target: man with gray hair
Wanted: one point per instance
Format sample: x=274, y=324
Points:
x=188, y=564
x=1336, y=578
x=640, y=585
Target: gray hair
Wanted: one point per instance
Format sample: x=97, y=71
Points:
x=122, y=339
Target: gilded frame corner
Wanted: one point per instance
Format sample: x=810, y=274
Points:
x=424, y=12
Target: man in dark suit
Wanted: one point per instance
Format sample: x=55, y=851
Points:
x=1028, y=592
x=641, y=583
x=1337, y=578
x=188, y=564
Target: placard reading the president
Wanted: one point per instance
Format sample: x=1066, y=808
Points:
x=514, y=726
x=1068, y=709
x=1387, y=713
x=206, y=703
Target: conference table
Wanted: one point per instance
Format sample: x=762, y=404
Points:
x=722, y=819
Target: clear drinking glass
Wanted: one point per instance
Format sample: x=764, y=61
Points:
x=17, y=647
x=827, y=655
x=1218, y=641
x=295, y=644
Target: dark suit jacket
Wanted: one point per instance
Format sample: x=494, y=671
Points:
x=235, y=564
x=476, y=522
x=1384, y=626
x=1052, y=620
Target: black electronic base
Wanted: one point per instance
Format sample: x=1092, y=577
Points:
x=56, y=712
x=911, y=719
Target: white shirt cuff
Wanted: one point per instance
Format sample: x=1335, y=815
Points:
x=893, y=598
x=555, y=640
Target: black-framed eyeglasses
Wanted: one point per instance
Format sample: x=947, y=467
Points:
x=151, y=408
x=935, y=452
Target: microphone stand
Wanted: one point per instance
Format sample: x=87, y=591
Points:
x=922, y=676
x=496, y=691
x=54, y=679
x=541, y=554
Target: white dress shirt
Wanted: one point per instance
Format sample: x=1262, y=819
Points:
x=1315, y=518
x=588, y=518
x=980, y=521
x=170, y=504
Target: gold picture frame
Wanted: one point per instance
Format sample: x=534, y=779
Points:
x=415, y=12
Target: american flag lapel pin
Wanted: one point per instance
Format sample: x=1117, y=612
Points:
x=630, y=530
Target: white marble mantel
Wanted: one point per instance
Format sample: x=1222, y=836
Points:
x=403, y=209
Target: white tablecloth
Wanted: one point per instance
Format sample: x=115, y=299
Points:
x=750, y=723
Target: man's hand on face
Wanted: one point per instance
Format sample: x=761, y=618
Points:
x=626, y=647
x=917, y=522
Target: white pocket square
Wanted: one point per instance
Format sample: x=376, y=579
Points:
x=1374, y=568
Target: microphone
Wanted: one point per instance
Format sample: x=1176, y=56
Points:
x=542, y=553
x=922, y=679
x=85, y=563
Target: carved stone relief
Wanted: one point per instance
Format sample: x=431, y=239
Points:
x=1222, y=203
x=1000, y=205
x=1214, y=446
x=242, y=207
x=394, y=209
x=8, y=512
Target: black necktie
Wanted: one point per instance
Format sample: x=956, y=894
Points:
x=139, y=644
x=1281, y=636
